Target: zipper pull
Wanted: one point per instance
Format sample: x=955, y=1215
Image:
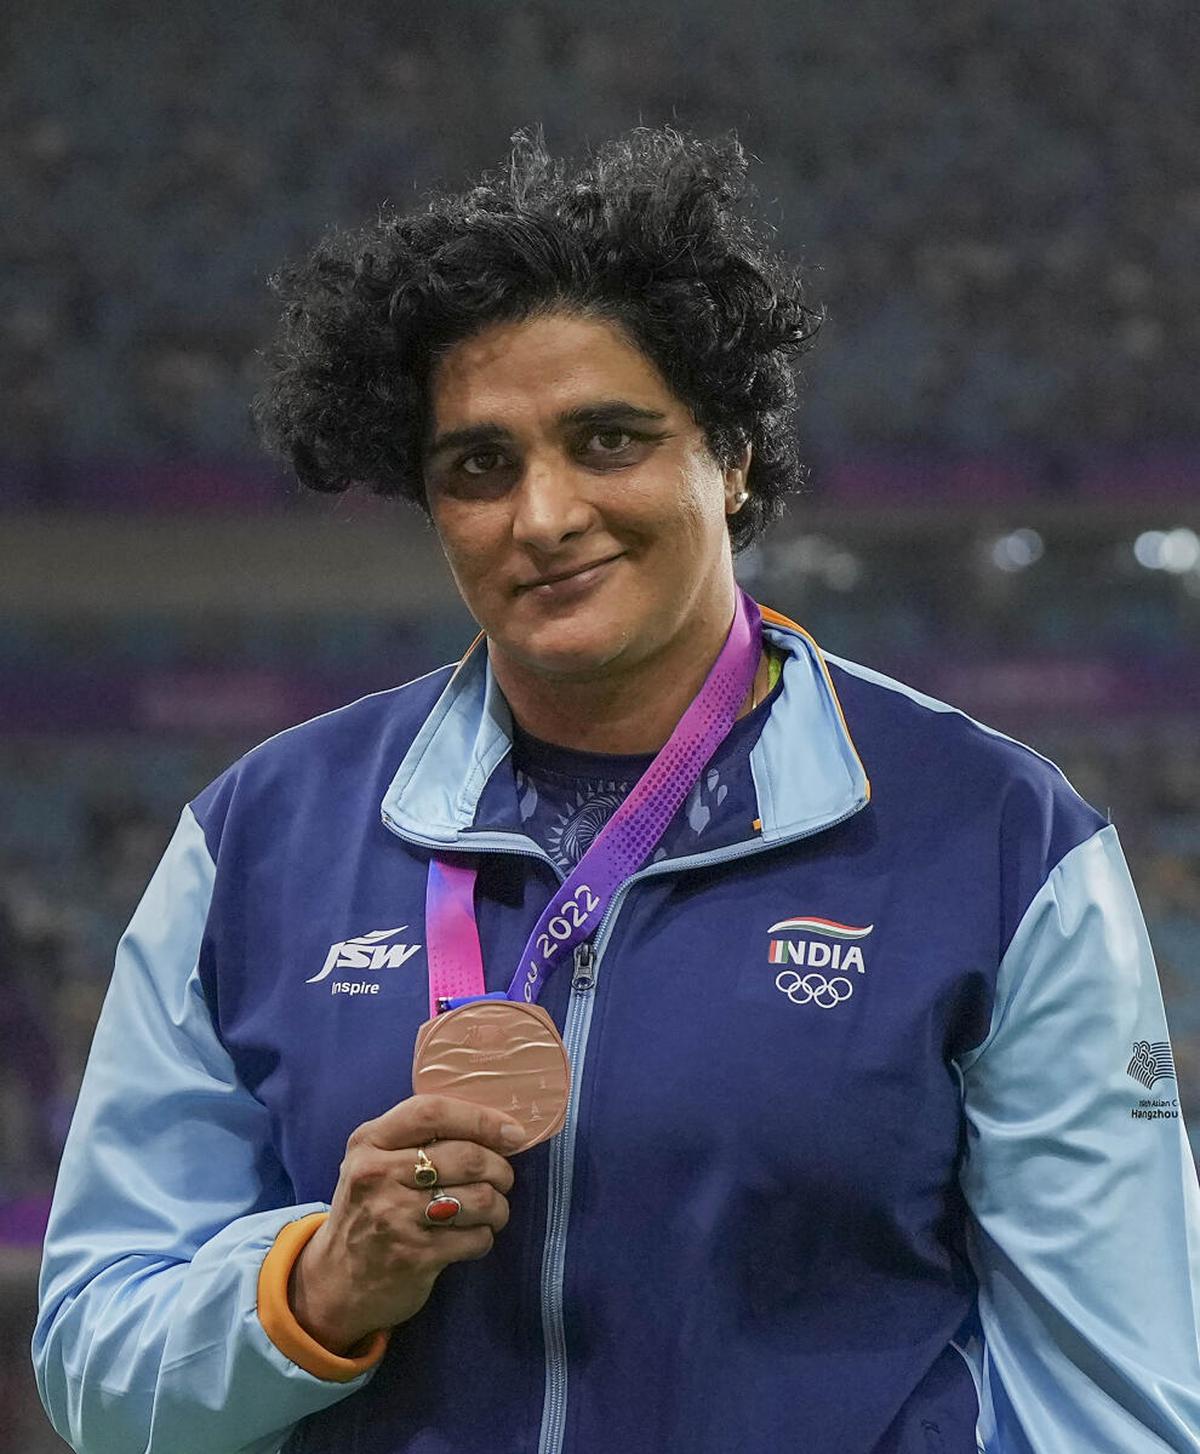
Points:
x=583, y=976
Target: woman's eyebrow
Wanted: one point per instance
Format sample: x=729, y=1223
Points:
x=487, y=431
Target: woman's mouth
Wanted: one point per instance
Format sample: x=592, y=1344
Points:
x=569, y=584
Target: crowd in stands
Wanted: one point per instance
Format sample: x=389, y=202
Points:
x=999, y=199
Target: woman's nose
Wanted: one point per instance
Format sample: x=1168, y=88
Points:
x=548, y=506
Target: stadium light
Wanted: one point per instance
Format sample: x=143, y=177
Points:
x=1017, y=550
x=1180, y=551
x=818, y=559
x=843, y=571
x=1176, y=551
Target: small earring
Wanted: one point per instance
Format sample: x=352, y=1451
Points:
x=740, y=499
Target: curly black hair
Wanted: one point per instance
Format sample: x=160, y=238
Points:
x=647, y=234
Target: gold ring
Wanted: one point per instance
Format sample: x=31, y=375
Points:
x=424, y=1172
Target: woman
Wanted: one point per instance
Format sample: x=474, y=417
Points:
x=858, y=1025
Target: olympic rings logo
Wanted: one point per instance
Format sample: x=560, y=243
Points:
x=813, y=988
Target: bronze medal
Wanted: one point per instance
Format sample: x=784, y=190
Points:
x=504, y=1054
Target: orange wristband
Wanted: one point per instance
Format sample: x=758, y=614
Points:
x=279, y=1322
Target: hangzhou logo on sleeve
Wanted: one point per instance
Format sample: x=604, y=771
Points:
x=368, y=952
x=817, y=945
x=1152, y=1061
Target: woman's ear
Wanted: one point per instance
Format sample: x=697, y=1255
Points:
x=736, y=493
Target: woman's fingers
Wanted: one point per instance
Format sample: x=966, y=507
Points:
x=457, y=1163
x=481, y=1206
x=422, y=1119
x=374, y=1261
x=465, y=1244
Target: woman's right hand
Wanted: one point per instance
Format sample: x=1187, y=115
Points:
x=373, y=1262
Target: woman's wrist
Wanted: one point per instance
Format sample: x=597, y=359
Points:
x=319, y=1312
x=284, y=1328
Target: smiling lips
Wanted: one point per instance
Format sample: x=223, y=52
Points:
x=568, y=582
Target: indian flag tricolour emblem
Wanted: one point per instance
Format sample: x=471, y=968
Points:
x=830, y=928
x=843, y=954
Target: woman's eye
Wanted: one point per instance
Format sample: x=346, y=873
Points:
x=612, y=441
x=490, y=457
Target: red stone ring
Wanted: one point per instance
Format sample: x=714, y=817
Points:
x=442, y=1210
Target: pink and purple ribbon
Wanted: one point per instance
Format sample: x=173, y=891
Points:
x=620, y=848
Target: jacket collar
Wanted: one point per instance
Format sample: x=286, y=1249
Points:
x=807, y=772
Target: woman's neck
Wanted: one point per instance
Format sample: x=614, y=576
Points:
x=631, y=711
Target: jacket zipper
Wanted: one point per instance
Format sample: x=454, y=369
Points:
x=584, y=976
x=562, y=1149
x=585, y=970
x=562, y=1166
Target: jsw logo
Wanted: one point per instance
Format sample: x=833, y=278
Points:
x=368, y=951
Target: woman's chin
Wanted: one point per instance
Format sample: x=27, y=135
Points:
x=577, y=656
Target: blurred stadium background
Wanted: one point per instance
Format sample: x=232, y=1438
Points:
x=1000, y=204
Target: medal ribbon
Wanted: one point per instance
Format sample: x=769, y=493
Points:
x=618, y=850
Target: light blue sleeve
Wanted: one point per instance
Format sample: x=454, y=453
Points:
x=168, y=1199
x=1085, y=1230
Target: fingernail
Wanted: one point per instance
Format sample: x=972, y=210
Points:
x=512, y=1134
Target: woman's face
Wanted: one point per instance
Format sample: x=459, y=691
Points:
x=581, y=511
